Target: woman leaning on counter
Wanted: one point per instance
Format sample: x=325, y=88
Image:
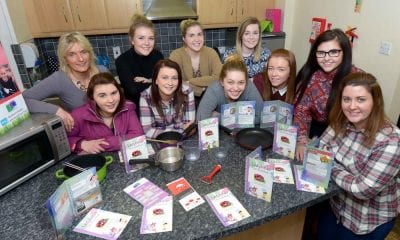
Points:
x=77, y=66
x=366, y=146
x=168, y=104
x=135, y=66
x=200, y=64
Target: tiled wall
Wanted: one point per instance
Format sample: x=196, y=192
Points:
x=168, y=38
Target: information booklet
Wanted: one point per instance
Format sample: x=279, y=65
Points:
x=317, y=166
x=187, y=196
x=145, y=192
x=135, y=148
x=208, y=133
x=157, y=218
x=73, y=197
x=285, y=139
x=303, y=185
x=226, y=206
x=282, y=171
x=276, y=111
x=258, y=176
x=238, y=114
x=103, y=224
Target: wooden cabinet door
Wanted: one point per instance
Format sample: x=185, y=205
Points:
x=119, y=12
x=245, y=8
x=89, y=14
x=216, y=12
x=48, y=16
x=261, y=6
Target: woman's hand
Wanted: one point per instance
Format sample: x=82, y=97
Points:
x=66, y=118
x=142, y=80
x=93, y=146
x=300, y=149
x=186, y=125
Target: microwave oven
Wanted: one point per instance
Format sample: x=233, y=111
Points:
x=29, y=148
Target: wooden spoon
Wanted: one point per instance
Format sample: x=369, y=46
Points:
x=162, y=141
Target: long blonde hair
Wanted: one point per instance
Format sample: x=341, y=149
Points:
x=138, y=20
x=239, y=35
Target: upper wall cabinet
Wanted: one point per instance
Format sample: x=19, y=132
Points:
x=47, y=18
x=229, y=13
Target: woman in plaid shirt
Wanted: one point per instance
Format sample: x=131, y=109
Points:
x=168, y=104
x=367, y=160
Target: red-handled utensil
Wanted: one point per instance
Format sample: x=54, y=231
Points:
x=208, y=179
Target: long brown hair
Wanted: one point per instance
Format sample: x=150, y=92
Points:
x=239, y=35
x=178, y=97
x=376, y=119
x=290, y=58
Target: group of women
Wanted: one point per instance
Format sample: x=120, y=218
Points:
x=333, y=100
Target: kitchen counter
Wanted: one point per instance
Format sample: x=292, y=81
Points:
x=24, y=216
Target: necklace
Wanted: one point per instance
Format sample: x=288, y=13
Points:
x=81, y=86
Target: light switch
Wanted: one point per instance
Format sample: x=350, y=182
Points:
x=116, y=51
x=385, y=48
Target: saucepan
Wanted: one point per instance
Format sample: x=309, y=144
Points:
x=85, y=162
x=169, y=159
x=175, y=138
x=251, y=138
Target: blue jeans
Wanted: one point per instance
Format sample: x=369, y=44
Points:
x=329, y=229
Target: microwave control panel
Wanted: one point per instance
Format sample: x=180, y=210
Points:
x=59, y=134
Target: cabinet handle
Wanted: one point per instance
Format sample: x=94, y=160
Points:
x=242, y=11
x=231, y=11
x=65, y=16
x=79, y=16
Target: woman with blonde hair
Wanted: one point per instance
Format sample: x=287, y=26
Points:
x=69, y=83
x=135, y=66
x=200, y=64
x=248, y=46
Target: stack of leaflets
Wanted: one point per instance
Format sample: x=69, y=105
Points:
x=75, y=196
x=208, y=133
x=145, y=192
x=238, y=114
x=276, y=112
x=226, y=206
x=285, y=139
x=187, y=196
x=258, y=176
x=103, y=224
x=282, y=171
x=303, y=185
x=135, y=148
x=317, y=166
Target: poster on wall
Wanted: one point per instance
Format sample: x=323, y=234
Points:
x=13, y=109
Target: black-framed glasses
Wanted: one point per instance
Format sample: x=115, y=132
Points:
x=331, y=53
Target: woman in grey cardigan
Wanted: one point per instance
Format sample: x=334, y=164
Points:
x=233, y=85
x=77, y=66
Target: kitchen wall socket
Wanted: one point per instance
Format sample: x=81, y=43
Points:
x=116, y=51
x=385, y=48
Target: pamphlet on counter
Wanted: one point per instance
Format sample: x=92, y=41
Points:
x=158, y=217
x=238, y=114
x=208, y=133
x=303, y=185
x=276, y=112
x=103, y=224
x=187, y=196
x=317, y=166
x=145, y=192
x=226, y=206
x=282, y=171
x=285, y=139
x=73, y=197
x=135, y=148
x=258, y=176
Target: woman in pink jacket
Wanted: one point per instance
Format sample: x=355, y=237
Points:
x=105, y=119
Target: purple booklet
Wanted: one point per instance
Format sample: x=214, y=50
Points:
x=145, y=192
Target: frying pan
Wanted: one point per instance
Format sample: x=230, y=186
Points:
x=175, y=136
x=251, y=138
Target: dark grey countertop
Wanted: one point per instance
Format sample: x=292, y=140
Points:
x=24, y=216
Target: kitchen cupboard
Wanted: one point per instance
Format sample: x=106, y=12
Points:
x=48, y=18
x=229, y=13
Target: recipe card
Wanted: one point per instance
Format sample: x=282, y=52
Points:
x=208, y=133
x=103, y=224
x=238, y=114
x=158, y=217
x=282, y=171
x=303, y=185
x=276, y=111
x=145, y=192
x=285, y=139
x=135, y=148
x=317, y=166
x=226, y=206
x=187, y=196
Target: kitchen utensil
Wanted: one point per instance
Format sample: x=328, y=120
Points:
x=86, y=161
x=191, y=149
x=251, y=138
x=176, y=136
x=169, y=159
x=170, y=142
x=74, y=166
x=208, y=179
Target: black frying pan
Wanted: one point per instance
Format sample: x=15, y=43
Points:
x=251, y=138
x=179, y=137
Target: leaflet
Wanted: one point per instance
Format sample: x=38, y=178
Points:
x=238, y=114
x=158, y=217
x=285, y=139
x=303, y=185
x=145, y=192
x=187, y=196
x=282, y=171
x=135, y=148
x=276, y=111
x=208, y=133
x=317, y=164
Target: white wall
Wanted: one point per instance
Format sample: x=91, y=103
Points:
x=377, y=22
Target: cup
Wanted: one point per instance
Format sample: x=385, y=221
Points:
x=191, y=149
x=220, y=152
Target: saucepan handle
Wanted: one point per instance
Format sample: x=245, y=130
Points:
x=188, y=130
x=227, y=130
x=139, y=161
